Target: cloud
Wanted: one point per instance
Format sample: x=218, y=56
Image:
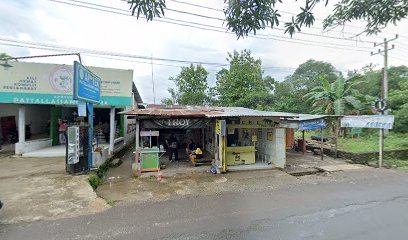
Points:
x=56, y=23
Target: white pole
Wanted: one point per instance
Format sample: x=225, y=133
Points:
x=21, y=124
x=137, y=134
x=112, y=131
x=125, y=127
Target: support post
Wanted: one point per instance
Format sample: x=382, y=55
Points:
x=303, y=142
x=380, y=159
x=90, y=134
x=137, y=145
x=21, y=124
x=321, y=143
x=112, y=131
x=137, y=135
x=337, y=137
x=203, y=138
x=125, y=129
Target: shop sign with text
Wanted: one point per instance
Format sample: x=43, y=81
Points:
x=40, y=83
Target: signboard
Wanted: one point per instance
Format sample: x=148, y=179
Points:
x=40, y=83
x=149, y=133
x=174, y=123
x=87, y=86
x=223, y=127
x=368, y=121
x=81, y=109
x=356, y=131
x=73, y=145
x=269, y=135
x=312, y=124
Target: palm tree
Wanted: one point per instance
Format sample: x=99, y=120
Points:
x=336, y=98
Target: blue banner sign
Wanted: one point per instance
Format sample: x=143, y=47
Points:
x=312, y=124
x=87, y=86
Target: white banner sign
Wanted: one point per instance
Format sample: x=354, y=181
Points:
x=149, y=133
x=368, y=121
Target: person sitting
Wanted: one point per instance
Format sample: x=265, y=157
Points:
x=198, y=153
x=190, y=147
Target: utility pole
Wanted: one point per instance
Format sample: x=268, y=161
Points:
x=154, y=95
x=384, y=88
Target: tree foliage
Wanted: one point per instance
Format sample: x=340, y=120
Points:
x=4, y=55
x=336, y=98
x=243, y=84
x=399, y=103
x=191, y=87
x=244, y=17
x=377, y=13
x=288, y=94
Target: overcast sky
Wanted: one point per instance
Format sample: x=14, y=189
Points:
x=50, y=22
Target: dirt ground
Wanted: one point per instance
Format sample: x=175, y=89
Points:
x=39, y=188
x=181, y=179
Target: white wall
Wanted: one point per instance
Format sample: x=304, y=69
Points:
x=266, y=148
x=37, y=115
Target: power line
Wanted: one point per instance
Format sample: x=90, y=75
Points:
x=195, y=14
x=53, y=47
x=196, y=5
x=282, y=11
x=220, y=19
x=259, y=36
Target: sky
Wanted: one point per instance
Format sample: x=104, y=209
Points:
x=76, y=24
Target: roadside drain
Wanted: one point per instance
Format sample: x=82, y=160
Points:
x=304, y=172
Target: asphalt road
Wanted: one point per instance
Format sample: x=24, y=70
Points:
x=373, y=208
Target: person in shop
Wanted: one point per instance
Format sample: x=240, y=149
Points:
x=62, y=127
x=106, y=130
x=190, y=147
x=173, y=144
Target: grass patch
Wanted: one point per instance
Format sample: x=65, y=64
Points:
x=392, y=163
x=393, y=141
x=97, y=178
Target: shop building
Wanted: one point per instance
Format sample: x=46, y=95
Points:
x=233, y=137
x=37, y=95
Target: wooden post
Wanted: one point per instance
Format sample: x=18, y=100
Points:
x=337, y=137
x=321, y=143
x=303, y=142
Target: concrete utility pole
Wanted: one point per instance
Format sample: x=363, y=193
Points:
x=154, y=94
x=384, y=88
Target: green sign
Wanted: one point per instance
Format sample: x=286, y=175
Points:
x=356, y=131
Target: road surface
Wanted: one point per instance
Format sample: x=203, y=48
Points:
x=371, y=208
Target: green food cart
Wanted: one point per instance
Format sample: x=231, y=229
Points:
x=149, y=159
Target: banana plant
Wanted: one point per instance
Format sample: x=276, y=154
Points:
x=336, y=98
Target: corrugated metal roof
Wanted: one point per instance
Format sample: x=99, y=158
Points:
x=174, y=111
x=306, y=117
x=137, y=96
x=203, y=111
x=247, y=112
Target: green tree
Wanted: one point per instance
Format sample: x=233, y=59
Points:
x=4, y=55
x=399, y=103
x=307, y=75
x=372, y=78
x=249, y=16
x=336, y=98
x=191, y=87
x=243, y=84
x=288, y=94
